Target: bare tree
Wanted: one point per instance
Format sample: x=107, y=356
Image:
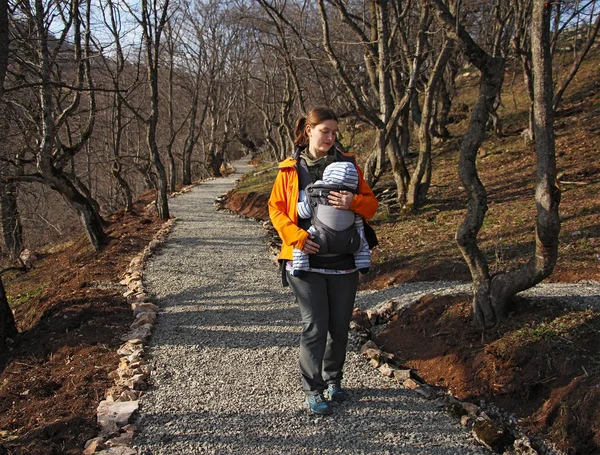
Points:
x=152, y=18
x=57, y=122
x=492, y=293
x=421, y=177
x=570, y=18
x=491, y=69
x=547, y=193
x=116, y=67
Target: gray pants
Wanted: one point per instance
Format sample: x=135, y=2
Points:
x=326, y=303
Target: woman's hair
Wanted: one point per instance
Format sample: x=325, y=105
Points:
x=314, y=117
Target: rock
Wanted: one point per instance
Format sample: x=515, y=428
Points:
x=425, y=391
x=130, y=348
x=401, y=374
x=373, y=317
x=134, y=285
x=136, y=382
x=492, y=435
x=137, y=297
x=375, y=362
x=142, y=332
x=454, y=407
x=522, y=446
x=411, y=384
x=154, y=244
x=93, y=445
x=128, y=395
x=470, y=408
x=125, y=437
x=136, y=261
x=148, y=317
x=386, y=311
x=360, y=318
x=121, y=450
x=386, y=370
x=143, y=307
x=27, y=258
x=118, y=412
x=129, y=278
x=370, y=350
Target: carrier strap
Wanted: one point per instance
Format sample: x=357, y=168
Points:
x=304, y=177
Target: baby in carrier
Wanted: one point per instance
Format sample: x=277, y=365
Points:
x=336, y=231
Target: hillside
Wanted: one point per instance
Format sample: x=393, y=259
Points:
x=71, y=313
x=540, y=365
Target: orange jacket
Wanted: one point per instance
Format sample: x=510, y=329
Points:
x=284, y=201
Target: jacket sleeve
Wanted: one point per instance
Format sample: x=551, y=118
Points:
x=280, y=208
x=364, y=203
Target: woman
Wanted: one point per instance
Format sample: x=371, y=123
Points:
x=326, y=292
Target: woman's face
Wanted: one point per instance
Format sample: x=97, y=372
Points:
x=321, y=137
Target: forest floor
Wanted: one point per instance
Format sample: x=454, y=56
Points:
x=70, y=313
x=540, y=365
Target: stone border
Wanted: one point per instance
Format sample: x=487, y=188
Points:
x=121, y=401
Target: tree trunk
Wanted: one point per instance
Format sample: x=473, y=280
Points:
x=172, y=169
x=86, y=193
x=4, y=43
x=396, y=159
x=492, y=76
x=92, y=221
x=8, y=327
x=443, y=117
x=466, y=237
x=12, y=231
x=161, y=201
x=116, y=172
x=421, y=177
x=188, y=147
x=547, y=193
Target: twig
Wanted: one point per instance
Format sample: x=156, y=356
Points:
x=564, y=182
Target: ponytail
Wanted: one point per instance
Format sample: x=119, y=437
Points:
x=301, y=138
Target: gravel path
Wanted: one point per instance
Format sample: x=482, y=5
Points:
x=225, y=355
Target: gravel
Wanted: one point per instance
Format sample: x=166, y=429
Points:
x=225, y=350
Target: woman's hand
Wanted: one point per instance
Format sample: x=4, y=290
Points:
x=341, y=200
x=310, y=247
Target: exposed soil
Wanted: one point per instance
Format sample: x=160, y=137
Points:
x=71, y=314
x=252, y=205
x=541, y=364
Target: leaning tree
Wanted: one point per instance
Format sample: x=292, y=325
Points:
x=51, y=92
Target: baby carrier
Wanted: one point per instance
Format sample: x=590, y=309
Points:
x=337, y=232
x=335, y=229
